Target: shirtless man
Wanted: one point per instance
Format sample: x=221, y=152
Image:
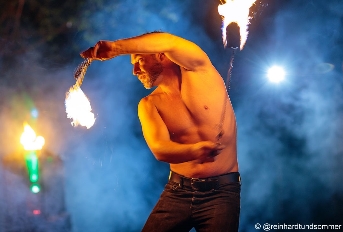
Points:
x=188, y=122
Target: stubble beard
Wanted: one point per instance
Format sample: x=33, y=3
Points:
x=151, y=75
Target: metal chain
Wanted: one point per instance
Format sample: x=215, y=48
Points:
x=229, y=72
x=228, y=81
x=81, y=70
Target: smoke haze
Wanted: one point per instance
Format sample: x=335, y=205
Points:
x=289, y=135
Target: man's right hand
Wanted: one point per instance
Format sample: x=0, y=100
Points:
x=102, y=50
x=207, y=151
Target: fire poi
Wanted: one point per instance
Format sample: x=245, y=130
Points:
x=235, y=11
x=78, y=107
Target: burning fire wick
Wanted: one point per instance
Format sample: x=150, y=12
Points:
x=77, y=104
x=235, y=11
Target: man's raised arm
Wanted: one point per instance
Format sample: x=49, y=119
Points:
x=181, y=51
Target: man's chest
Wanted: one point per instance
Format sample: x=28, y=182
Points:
x=184, y=121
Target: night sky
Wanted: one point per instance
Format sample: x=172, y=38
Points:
x=290, y=134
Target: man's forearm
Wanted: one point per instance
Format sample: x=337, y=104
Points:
x=147, y=43
x=172, y=152
x=181, y=51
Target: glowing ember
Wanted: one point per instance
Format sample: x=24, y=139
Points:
x=79, y=108
x=236, y=11
x=29, y=139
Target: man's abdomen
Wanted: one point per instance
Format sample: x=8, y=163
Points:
x=225, y=162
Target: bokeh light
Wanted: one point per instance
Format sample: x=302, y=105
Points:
x=276, y=74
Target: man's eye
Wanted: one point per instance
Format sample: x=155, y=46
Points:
x=140, y=60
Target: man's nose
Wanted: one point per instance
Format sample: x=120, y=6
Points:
x=136, y=69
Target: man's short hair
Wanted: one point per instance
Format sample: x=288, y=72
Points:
x=151, y=32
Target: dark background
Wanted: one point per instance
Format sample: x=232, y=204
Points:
x=105, y=178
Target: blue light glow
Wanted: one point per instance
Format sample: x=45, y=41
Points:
x=34, y=113
x=276, y=74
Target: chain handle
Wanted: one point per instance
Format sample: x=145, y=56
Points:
x=228, y=80
x=81, y=70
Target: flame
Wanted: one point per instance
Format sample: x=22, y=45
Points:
x=236, y=11
x=79, y=108
x=29, y=139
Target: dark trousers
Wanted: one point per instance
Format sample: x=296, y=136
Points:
x=181, y=208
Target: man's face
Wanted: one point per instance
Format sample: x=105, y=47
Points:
x=147, y=68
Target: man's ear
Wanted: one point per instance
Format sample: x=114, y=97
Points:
x=161, y=56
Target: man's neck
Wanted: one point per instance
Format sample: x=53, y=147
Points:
x=170, y=81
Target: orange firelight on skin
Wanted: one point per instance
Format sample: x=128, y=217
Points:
x=236, y=11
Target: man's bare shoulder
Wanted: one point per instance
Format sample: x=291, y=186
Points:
x=148, y=101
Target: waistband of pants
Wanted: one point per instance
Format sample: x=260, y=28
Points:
x=204, y=184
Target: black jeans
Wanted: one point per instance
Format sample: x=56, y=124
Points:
x=181, y=209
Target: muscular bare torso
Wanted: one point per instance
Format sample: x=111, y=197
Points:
x=193, y=113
